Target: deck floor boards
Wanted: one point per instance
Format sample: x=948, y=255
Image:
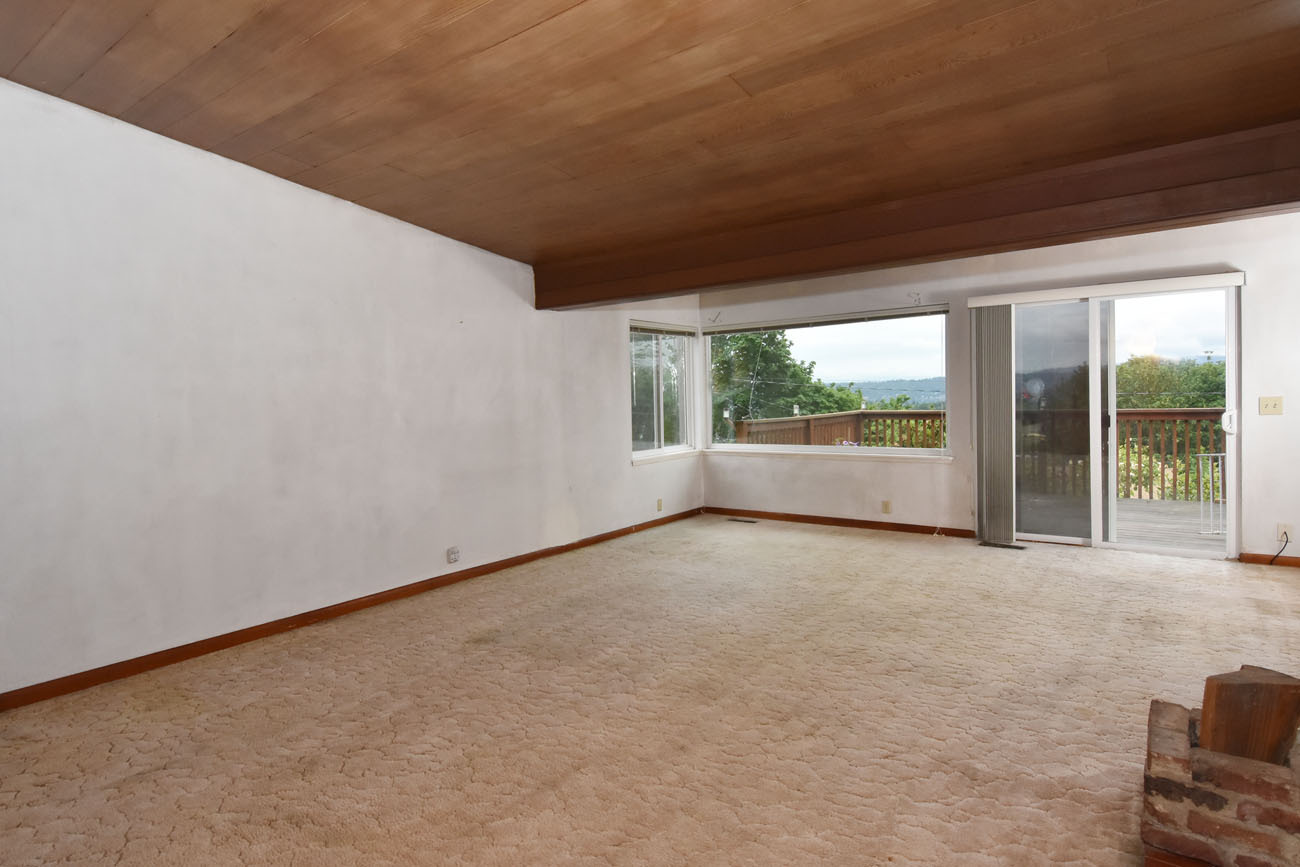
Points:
x=1167, y=524
x=1175, y=525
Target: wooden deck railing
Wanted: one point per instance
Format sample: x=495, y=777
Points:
x=1156, y=453
x=1156, y=448
x=914, y=428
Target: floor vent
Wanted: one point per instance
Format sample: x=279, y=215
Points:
x=744, y=520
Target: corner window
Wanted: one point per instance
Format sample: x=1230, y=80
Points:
x=660, y=399
x=870, y=383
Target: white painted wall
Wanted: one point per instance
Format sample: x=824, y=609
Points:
x=226, y=399
x=1267, y=249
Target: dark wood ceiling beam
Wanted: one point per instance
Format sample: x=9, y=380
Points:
x=1185, y=184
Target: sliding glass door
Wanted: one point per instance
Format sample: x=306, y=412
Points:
x=1053, y=473
x=1124, y=420
x=1169, y=464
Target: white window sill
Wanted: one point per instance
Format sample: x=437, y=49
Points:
x=654, y=456
x=836, y=453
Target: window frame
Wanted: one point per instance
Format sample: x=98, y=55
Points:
x=840, y=452
x=687, y=400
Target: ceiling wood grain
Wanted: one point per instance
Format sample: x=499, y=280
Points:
x=570, y=132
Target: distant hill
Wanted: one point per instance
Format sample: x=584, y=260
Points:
x=925, y=393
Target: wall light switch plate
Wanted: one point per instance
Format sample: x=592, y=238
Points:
x=1270, y=406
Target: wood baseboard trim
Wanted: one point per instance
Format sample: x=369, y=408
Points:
x=128, y=667
x=856, y=523
x=1264, y=558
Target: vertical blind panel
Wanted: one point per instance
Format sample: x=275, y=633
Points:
x=995, y=458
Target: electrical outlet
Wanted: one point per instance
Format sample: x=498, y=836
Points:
x=659, y=505
x=1270, y=405
x=886, y=507
x=1284, y=530
x=453, y=554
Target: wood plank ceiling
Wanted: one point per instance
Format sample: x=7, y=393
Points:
x=585, y=135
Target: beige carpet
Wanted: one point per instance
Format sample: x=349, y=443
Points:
x=709, y=692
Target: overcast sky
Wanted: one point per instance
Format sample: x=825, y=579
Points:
x=867, y=351
x=1185, y=325
x=1172, y=326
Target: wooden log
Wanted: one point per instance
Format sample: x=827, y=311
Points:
x=1161, y=858
x=1251, y=713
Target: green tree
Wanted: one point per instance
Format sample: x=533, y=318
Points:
x=898, y=401
x=1150, y=382
x=756, y=376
